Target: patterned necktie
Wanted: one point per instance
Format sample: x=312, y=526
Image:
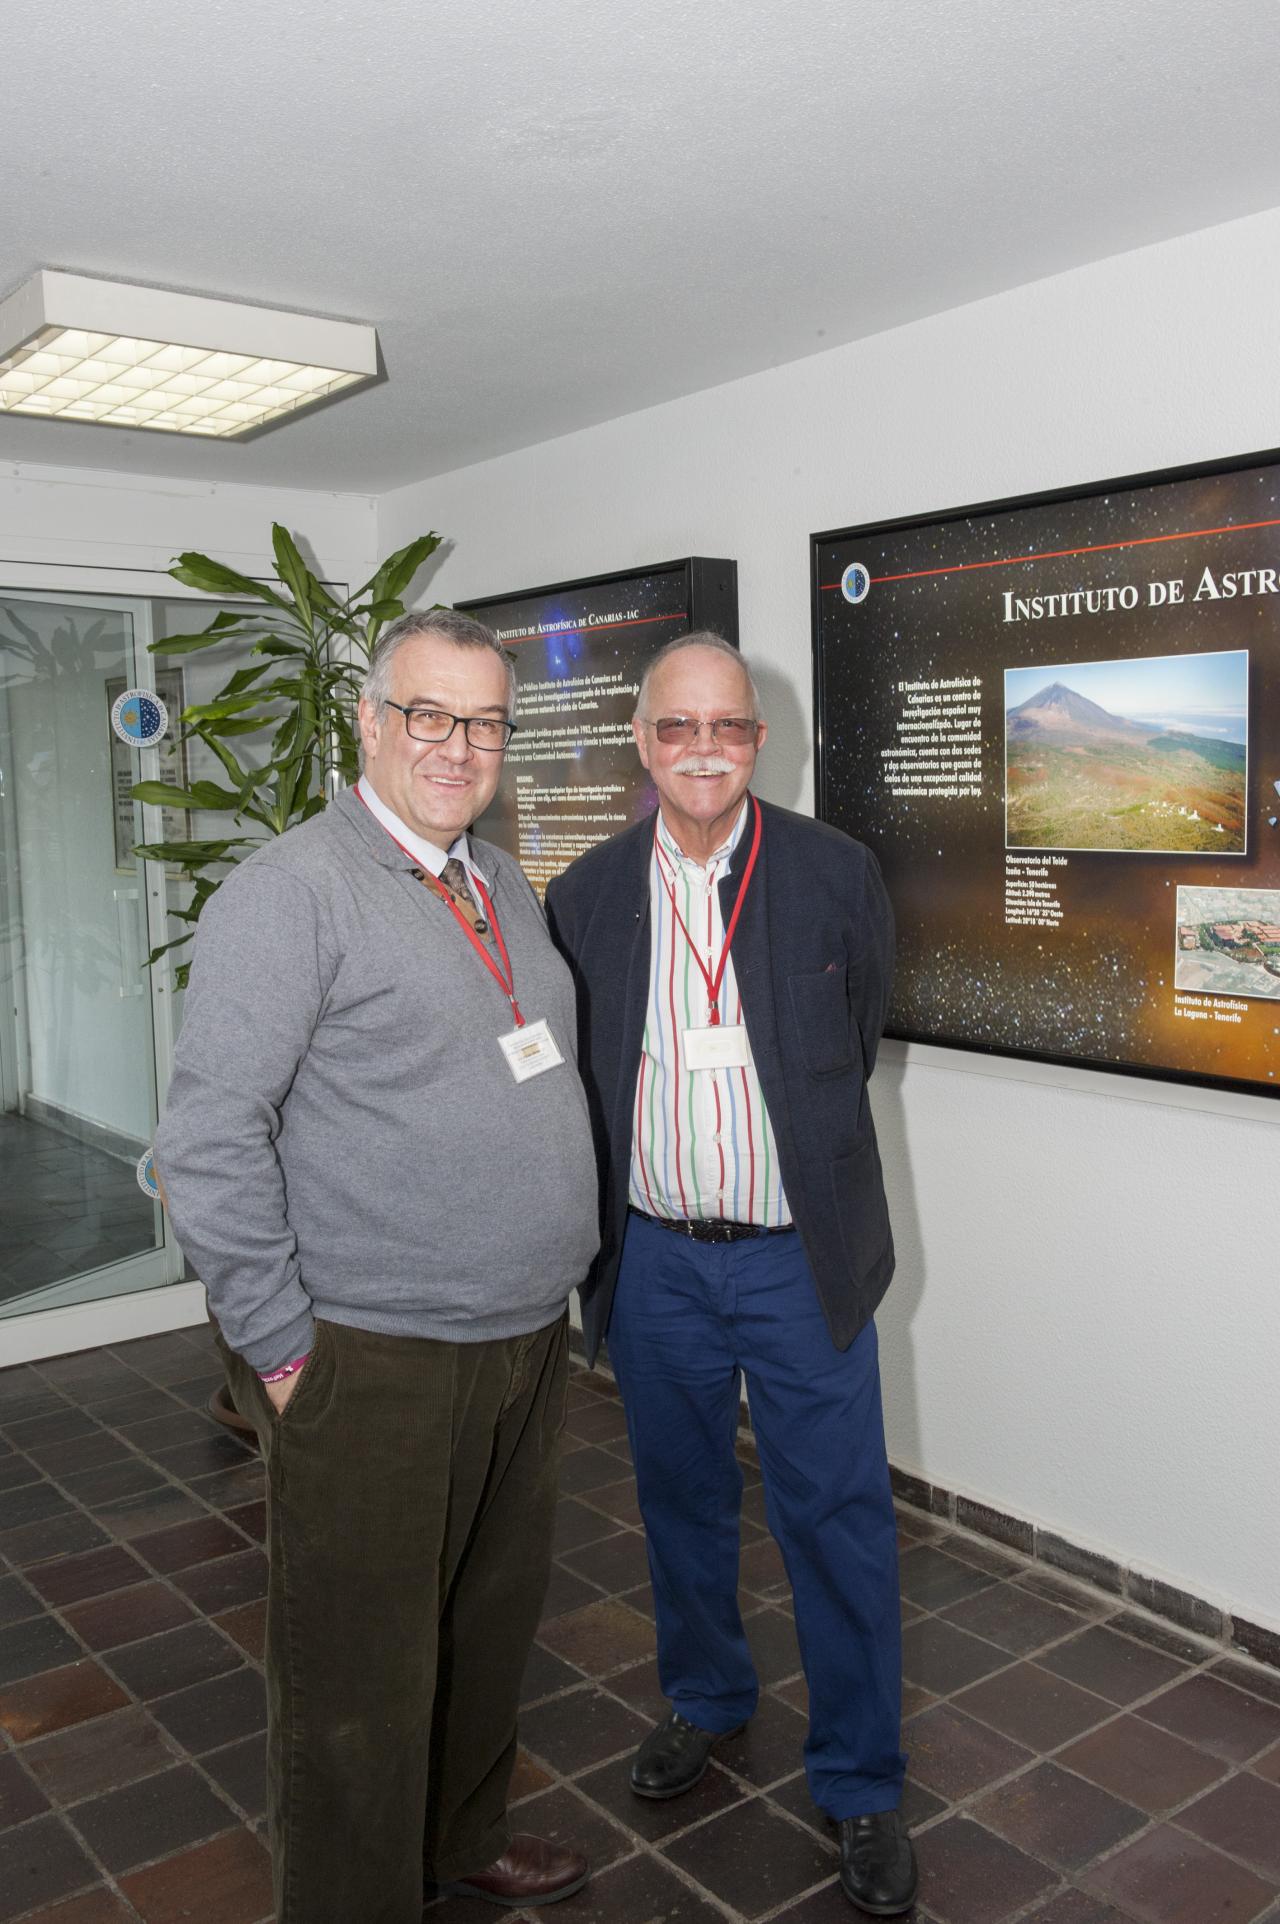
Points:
x=454, y=877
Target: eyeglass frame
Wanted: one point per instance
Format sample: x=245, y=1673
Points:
x=434, y=741
x=665, y=721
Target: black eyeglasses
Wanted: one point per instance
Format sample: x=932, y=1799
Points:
x=433, y=725
x=735, y=731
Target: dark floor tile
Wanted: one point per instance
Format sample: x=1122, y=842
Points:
x=576, y=1524
x=151, y=1818
x=98, y=1906
x=1057, y=1816
x=141, y=1405
x=226, y=1881
x=970, y=1876
x=1216, y=1717
x=563, y=1817
x=31, y=1503
x=752, y=1859
x=247, y=1626
x=243, y=1481
x=226, y=1582
x=566, y=1592
x=165, y=1358
x=57, y=1422
x=932, y=1578
x=91, y=1574
x=942, y=1658
x=39, y=1863
x=761, y=1571
x=599, y=1637
x=1034, y=1707
x=1075, y=1907
x=1268, y=1765
x=1013, y=1619
x=639, y=1686
x=196, y=1389
x=20, y=1796
x=127, y=1615
x=770, y=1747
x=1241, y=1817
x=59, y=1536
x=1161, y=1636
x=1072, y=1596
x=588, y=1469
x=1141, y=1764
x=1111, y=1666
x=92, y=1758
x=216, y=1451
x=656, y=1818
x=182, y=1545
x=56, y=1699
x=215, y=1713
x=1169, y=1877
x=617, y=1500
x=86, y=1452
x=640, y=1890
x=240, y=1769
x=527, y=1778
x=108, y=1482
x=88, y=1376
x=17, y=1601
x=641, y=1599
x=38, y=1644
x=175, y=1660
x=16, y=1473
x=251, y=1518
x=598, y=1422
x=140, y=1515
x=775, y=1648
x=544, y=1675
x=953, y=1756
x=1259, y=1682
x=617, y=1563
x=573, y=1732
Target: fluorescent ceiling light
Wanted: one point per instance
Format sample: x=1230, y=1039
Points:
x=76, y=349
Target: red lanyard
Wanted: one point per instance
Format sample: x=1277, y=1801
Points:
x=712, y=981
x=504, y=976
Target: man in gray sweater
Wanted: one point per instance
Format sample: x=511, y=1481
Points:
x=377, y=1156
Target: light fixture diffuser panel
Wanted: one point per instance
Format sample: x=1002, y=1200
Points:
x=77, y=349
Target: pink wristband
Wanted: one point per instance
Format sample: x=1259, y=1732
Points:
x=286, y=1369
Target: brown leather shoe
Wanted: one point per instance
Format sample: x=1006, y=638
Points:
x=529, y=1871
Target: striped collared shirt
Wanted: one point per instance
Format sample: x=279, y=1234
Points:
x=701, y=1144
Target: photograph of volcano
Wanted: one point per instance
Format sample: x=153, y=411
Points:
x=1147, y=755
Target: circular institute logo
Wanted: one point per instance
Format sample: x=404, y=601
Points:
x=855, y=582
x=139, y=717
x=147, y=1176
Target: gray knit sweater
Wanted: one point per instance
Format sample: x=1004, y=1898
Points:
x=343, y=1136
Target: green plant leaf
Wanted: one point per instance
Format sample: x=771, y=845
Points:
x=293, y=571
x=191, y=854
x=398, y=570
x=225, y=705
x=242, y=725
x=215, y=578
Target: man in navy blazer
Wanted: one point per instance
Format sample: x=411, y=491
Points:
x=733, y=964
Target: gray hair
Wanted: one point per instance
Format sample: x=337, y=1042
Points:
x=450, y=625
x=700, y=638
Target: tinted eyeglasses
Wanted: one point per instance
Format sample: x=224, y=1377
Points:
x=732, y=731
x=433, y=725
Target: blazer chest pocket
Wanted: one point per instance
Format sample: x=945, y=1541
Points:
x=820, y=1005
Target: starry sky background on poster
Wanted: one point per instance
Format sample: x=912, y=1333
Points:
x=1099, y=988
x=660, y=601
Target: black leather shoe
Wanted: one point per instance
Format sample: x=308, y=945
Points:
x=877, y=1863
x=673, y=1757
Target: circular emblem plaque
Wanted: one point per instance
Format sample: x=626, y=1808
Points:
x=855, y=582
x=146, y=1173
x=139, y=717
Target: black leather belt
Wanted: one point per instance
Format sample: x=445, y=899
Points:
x=703, y=1229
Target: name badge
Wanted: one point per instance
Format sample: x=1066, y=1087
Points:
x=530, y=1051
x=724, y=1047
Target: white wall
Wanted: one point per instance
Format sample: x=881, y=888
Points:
x=1085, y=1329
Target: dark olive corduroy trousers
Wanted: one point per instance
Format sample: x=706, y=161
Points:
x=411, y=1500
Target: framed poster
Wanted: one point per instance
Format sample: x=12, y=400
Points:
x=573, y=776
x=172, y=752
x=1056, y=721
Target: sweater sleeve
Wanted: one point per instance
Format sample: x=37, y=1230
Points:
x=254, y=998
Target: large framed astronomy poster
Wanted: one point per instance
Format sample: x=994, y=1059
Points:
x=1056, y=721
x=573, y=776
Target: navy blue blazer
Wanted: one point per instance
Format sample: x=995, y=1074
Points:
x=813, y=956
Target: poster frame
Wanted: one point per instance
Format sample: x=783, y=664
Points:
x=1260, y=1099
x=711, y=590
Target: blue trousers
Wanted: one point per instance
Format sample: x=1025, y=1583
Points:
x=689, y=1321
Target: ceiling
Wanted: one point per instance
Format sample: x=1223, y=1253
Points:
x=558, y=213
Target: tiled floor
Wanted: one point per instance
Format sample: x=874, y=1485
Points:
x=64, y=1207
x=1073, y=1762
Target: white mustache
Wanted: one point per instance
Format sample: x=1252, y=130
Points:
x=703, y=765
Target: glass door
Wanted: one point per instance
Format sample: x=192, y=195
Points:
x=85, y=1026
